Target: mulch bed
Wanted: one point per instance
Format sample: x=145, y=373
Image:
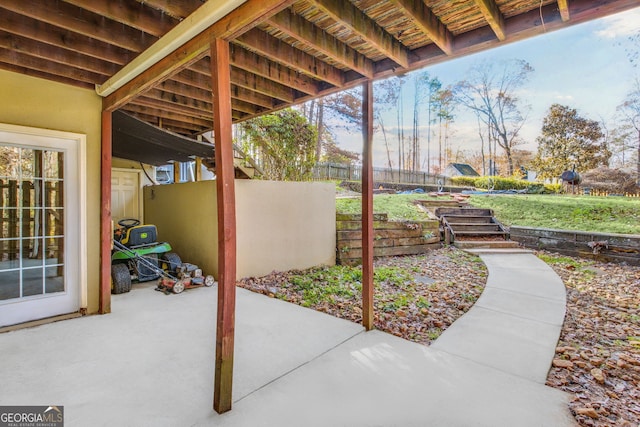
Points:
x=597, y=359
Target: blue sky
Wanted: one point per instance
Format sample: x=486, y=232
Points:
x=584, y=66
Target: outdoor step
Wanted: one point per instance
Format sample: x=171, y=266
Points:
x=441, y=203
x=467, y=219
x=475, y=227
x=494, y=244
x=463, y=212
x=480, y=233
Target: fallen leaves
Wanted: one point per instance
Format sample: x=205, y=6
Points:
x=443, y=285
x=600, y=328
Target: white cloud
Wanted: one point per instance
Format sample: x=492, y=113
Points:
x=621, y=25
x=564, y=98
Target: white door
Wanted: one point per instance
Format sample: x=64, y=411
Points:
x=125, y=194
x=42, y=224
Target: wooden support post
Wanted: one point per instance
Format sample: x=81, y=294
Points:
x=176, y=172
x=367, y=206
x=106, y=232
x=226, y=199
x=198, y=172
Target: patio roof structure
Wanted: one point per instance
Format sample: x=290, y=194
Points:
x=282, y=52
x=190, y=66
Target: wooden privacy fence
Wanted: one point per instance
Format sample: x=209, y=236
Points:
x=337, y=171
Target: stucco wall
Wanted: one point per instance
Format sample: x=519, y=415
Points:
x=29, y=101
x=280, y=225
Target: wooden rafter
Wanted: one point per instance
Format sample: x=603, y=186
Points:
x=83, y=22
x=345, y=13
x=61, y=38
x=135, y=15
x=563, y=6
x=263, y=66
x=232, y=25
x=176, y=8
x=62, y=56
x=493, y=16
x=297, y=27
x=291, y=57
x=261, y=85
x=428, y=23
x=35, y=63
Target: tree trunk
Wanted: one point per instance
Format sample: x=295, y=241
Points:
x=638, y=161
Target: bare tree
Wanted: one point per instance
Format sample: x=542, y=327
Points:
x=630, y=110
x=491, y=90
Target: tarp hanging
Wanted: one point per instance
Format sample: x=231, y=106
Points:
x=136, y=140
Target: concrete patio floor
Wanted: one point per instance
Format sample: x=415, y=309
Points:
x=151, y=362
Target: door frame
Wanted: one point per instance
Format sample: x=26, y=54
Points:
x=79, y=143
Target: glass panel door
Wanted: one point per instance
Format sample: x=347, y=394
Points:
x=31, y=222
x=42, y=236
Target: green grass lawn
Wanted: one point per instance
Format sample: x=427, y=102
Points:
x=399, y=207
x=583, y=213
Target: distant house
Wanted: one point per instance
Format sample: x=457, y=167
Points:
x=460, y=169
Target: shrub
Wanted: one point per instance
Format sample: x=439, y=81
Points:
x=610, y=180
x=500, y=183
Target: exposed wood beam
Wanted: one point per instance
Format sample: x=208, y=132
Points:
x=367, y=206
x=261, y=85
x=181, y=88
x=493, y=16
x=563, y=6
x=175, y=8
x=226, y=204
x=262, y=66
x=132, y=14
x=291, y=57
x=194, y=78
x=250, y=13
x=45, y=66
x=60, y=56
x=180, y=127
x=43, y=75
x=177, y=104
x=304, y=31
x=83, y=22
x=347, y=14
x=428, y=23
x=106, y=232
x=55, y=36
x=251, y=97
x=151, y=110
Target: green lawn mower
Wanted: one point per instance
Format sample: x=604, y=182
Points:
x=138, y=256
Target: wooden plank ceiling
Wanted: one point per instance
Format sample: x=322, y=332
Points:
x=294, y=51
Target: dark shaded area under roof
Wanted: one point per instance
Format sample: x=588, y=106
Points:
x=140, y=141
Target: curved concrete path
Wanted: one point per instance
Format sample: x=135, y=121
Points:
x=515, y=324
x=150, y=362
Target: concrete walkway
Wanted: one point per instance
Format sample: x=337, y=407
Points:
x=151, y=362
